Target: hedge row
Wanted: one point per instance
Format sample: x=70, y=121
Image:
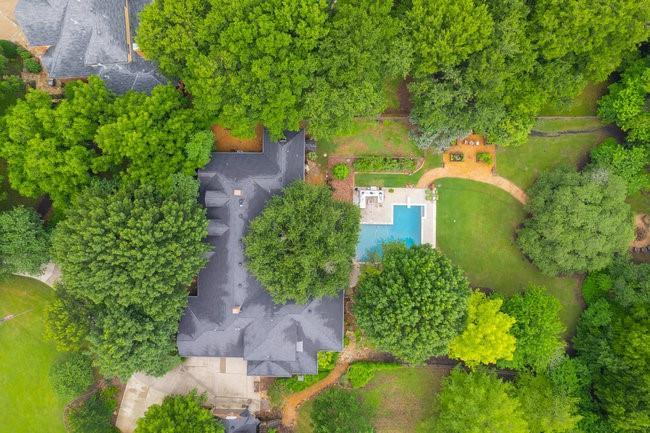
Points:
x=384, y=163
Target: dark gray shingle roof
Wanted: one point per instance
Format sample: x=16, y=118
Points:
x=244, y=423
x=235, y=188
x=89, y=37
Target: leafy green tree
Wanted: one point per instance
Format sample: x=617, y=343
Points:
x=629, y=163
x=154, y=137
x=57, y=149
x=414, y=304
x=446, y=33
x=301, y=246
x=11, y=89
x=337, y=410
x=24, y=243
x=577, y=221
x=349, y=81
x=630, y=283
x=486, y=338
x=48, y=148
x=67, y=322
x=245, y=62
x=537, y=329
x=71, y=374
x=626, y=101
x=477, y=401
x=545, y=409
x=596, y=286
x=179, y=414
x=127, y=255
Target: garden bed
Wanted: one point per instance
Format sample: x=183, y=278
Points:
x=385, y=164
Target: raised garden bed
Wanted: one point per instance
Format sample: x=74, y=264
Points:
x=377, y=164
x=484, y=157
x=456, y=157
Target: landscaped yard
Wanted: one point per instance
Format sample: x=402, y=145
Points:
x=476, y=224
x=401, y=400
x=370, y=137
x=583, y=105
x=523, y=164
x=27, y=401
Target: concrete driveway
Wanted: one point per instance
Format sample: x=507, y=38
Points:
x=224, y=380
x=8, y=28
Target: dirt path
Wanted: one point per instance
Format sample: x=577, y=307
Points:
x=500, y=182
x=293, y=402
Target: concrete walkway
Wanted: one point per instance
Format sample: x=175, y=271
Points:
x=500, y=182
x=51, y=274
x=9, y=29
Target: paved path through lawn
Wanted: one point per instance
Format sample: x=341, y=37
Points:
x=500, y=182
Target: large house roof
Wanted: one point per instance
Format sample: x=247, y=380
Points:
x=89, y=37
x=232, y=314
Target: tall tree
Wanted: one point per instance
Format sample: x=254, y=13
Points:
x=302, y=244
x=477, y=401
x=24, y=243
x=414, y=304
x=179, y=414
x=627, y=162
x=127, y=256
x=538, y=329
x=244, y=62
x=486, y=338
x=577, y=221
x=362, y=49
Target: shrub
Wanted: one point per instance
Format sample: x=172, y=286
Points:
x=338, y=410
x=23, y=53
x=312, y=156
x=456, y=156
x=8, y=48
x=341, y=171
x=596, y=286
x=95, y=415
x=383, y=163
x=484, y=157
x=32, y=65
x=627, y=162
x=360, y=373
x=327, y=360
x=71, y=375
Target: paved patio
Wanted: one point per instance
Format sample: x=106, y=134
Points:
x=9, y=30
x=224, y=380
x=382, y=213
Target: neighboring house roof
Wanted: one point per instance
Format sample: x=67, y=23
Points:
x=89, y=37
x=244, y=423
x=233, y=315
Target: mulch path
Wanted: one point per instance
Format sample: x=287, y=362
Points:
x=341, y=189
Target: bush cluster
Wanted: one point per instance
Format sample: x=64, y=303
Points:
x=341, y=171
x=383, y=163
x=71, y=375
x=360, y=373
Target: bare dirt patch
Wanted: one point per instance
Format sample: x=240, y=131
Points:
x=224, y=141
x=341, y=189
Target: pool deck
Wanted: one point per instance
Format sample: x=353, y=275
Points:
x=376, y=213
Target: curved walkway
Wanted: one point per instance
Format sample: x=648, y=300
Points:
x=500, y=182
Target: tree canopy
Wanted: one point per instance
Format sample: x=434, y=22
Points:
x=179, y=414
x=627, y=162
x=413, y=304
x=477, y=401
x=486, y=338
x=626, y=101
x=56, y=149
x=577, y=221
x=337, y=410
x=537, y=329
x=127, y=255
x=24, y=243
x=302, y=244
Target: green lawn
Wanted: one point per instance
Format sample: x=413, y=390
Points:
x=476, y=224
x=400, y=400
x=523, y=164
x=585, y=104
x=27, y=401
x=640, y=202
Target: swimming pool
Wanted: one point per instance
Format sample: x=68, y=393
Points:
x=406, y=227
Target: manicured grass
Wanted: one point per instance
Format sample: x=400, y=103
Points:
x=585, y=104
x=523, y=164
x=390, y=90
x=402, y=400
x=640, y=202
x=568, y=124
x=476, y=226
x=27, y=401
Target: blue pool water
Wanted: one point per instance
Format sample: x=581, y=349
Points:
x=406, y=227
